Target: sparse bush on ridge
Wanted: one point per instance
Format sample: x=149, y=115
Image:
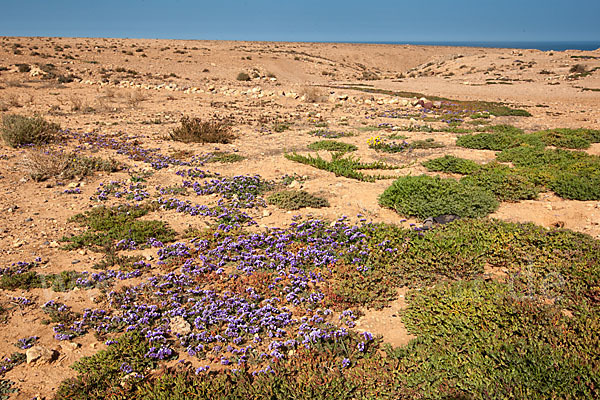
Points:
x=18, y=130
x=198, y=130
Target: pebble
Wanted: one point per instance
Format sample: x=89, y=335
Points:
x=75, y=261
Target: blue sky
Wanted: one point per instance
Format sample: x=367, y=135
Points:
x=310, y=20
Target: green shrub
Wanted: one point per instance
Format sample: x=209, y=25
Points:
x=332, y=145
x=18, y=130
x=296, y=199
x=577, y=186
x=328, y=134
x=280, y=127
x=504, y=129
x=451, y=164
x=506, y=183
x=570, y=174
x=424, y=196
x=476, y=340
x=100, y=376
x=197, y=130
x=340, y=166
x=224, y=157
x=109, y=225
x=570, y=138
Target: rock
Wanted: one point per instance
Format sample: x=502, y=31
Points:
x=427, y=224
x=294, y=184
x=37, y=71
x=179, y=326
x=445, y=219
x=437, y=104
x=40, y=355
x=266, y=213
x=69, y=346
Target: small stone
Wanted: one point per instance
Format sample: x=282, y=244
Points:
x=29, y=219
x=266, y=213
x=179, y=326
x=294, y=184
x=75, y=261
x=40, y=355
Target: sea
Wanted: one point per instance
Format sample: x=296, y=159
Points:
x=543, y=46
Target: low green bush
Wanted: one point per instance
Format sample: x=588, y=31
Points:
x=102, y=375
x=477, y=340
x=296, y=199
x=451, y=164
x=570, y=138
x=506, y=183
x=109, y=225
x=424, y=196
x=332, y=145
x=347, y=167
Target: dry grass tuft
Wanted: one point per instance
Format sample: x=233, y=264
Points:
x=197, y=130
x=42, y=164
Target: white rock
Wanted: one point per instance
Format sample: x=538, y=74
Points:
x=40, y=355
x=179, y=325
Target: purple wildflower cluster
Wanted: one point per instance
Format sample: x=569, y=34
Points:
x=130, y=147
x=121, y=189
x=26, y=343
x=247, y=298
x=72, y=191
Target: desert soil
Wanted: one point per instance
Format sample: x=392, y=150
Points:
x=144, y=88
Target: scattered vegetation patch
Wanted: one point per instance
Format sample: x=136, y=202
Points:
x=570, y=138
x=296, y=199
x=223, y=157
x=570, y=174
x=342, y=166
x=332, y=145
x=451, y=164
x=327, y=134
x=506, y=183
x=497, y=140
x=18, y=130
x=41, y=165
x=106, y=226
x=504, y=346
x=198, y=130
x=424, y=196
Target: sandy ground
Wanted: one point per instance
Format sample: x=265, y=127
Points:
x=144, y=87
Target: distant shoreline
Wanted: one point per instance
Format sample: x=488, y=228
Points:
x=543, y=46
x=583, y=45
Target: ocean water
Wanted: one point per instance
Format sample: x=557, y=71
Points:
x=544, y=46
